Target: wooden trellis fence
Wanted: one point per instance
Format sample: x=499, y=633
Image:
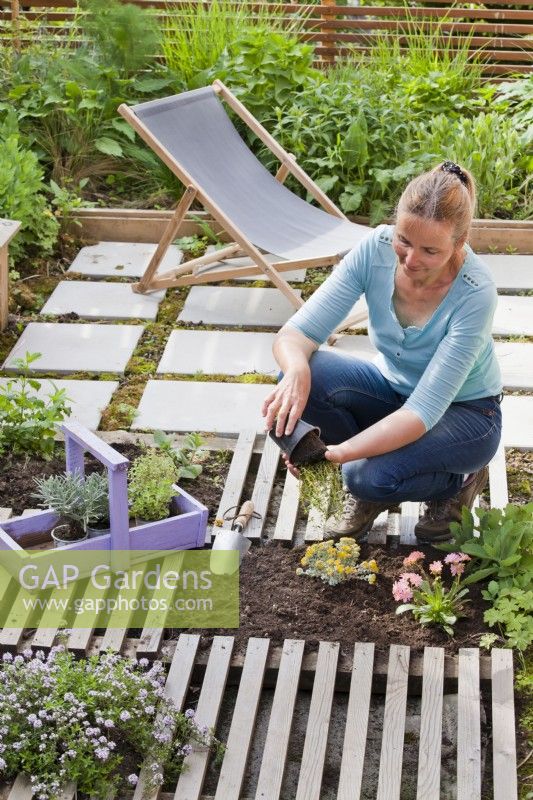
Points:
x=500, y=31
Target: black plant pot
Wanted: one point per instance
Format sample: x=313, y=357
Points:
x=303, y=446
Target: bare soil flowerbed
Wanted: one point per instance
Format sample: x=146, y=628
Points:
x=18, y=473
x=278, y=604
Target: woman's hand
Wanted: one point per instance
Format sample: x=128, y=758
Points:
x=286, y=402
x=339, y=453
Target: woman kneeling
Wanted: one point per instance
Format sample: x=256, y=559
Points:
x=423, y=420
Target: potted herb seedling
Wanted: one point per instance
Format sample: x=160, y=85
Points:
x=151, y=486
x=320, y=480
x=77, y=501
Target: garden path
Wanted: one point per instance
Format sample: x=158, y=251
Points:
x=182, y=405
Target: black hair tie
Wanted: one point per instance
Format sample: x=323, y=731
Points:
x=455, y=169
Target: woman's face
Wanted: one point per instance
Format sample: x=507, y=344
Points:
x=425, y=248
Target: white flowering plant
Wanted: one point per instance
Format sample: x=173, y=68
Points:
x=64, y=719
x=336, y=562
x=425, y=595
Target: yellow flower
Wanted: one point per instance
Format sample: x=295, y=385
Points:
x=319, y=564
x=372, y=565
x=340, y=569
x=305, y=561
x=364, y=564
x=372, y=578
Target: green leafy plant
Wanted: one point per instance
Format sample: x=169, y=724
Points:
x=151, y=481
x=430, y=602
x=488, y=145
x=123, y=35
x=28, y=421
x=21, y=194
x=512, y=611
x=194, y=245
x=264, y=68
x=321, y=487
x=87, y=720
x=79, y=501
x=66, y=198
x=337, y=562
x=185, y=458
x=500, y=542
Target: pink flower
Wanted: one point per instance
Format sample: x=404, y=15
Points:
x=435, y=567
x=457, y=569
x=456, y=558
x=412, y=578
x=413, y=558
x=402, y=591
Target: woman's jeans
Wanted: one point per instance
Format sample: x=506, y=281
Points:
x=348, y=395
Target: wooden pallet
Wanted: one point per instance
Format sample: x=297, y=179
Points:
x=325, y=673
x=388, y=529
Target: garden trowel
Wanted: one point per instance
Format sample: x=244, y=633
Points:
x=229, y=541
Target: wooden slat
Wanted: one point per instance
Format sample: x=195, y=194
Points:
x=263, y=487
x=154, y=626
x=410, y=513
x=45, y=636
x=316, y=522
x=12, y=633
x=499, y=496
x=80, y=638
x=192, y=778
x=428, y=786
x=503, y=726
x=353, y=751
x=243, y=721
x=176, y=687
x=288, y=509
x=22, y=790
x=378, y=534
x=468, y=727
x=233, y=488
x=115, y=633
x=390, y=765
x=280, y=723
x=316, y=735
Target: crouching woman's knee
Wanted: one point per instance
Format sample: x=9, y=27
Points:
x=368, y=481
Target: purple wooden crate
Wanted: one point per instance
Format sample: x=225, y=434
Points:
x=181, y=532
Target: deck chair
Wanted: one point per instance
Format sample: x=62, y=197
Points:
x=194, y=136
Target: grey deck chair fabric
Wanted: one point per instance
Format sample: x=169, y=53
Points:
x=196, y=130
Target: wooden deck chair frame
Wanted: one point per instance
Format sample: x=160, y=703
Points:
x=196, y=271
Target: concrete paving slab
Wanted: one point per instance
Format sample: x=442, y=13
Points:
x=223, y=408
x=510, y=272
x=516, y=364
x=514, y=316
x=126, y=259
x=218, y=352
x=229, y=305
x=97, y=300
x=85, y=347
x=517, y=414
x=87, y=399
x=293, y=275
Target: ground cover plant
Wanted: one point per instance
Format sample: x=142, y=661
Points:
x=64, y=719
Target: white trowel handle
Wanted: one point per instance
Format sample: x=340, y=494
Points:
x=243, y=517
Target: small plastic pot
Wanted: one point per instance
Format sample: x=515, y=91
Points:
x=61, y=536
x=303, y=446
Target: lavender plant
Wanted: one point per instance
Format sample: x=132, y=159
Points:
x=63, y=719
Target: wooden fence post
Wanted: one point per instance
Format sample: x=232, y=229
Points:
x=324, y=17
x=15, y=23
x=8, y=229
